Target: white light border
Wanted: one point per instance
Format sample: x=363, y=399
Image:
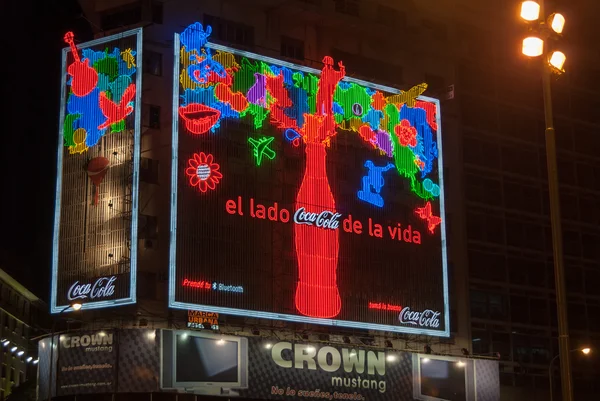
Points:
x=54, y=308
x=279, y=316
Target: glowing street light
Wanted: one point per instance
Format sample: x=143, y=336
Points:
x=557, y=60
x=557, y=22
x=530, y=11
x=533, y=46
x=76, y=306
x=586, y=350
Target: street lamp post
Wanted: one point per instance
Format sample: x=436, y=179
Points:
x=583, y=350
x=534, y=46
x=75, y=307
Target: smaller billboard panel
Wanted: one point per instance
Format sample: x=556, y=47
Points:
x=95, y=228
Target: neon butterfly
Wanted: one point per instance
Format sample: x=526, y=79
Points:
x=425, y=214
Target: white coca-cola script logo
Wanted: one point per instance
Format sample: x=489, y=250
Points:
x=101, y=288
x=427, y=318
x=325, y=219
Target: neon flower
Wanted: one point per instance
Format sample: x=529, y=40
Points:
x=203, y=172
x=406, y=133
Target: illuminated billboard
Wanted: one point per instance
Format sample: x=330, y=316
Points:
x=95, y=226
x=304, y=195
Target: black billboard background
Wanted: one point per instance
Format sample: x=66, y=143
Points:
x=138, y=370
x=214, y=246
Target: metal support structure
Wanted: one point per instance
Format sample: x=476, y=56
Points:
x=557, y=245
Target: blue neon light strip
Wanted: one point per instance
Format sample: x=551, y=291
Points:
x=279, y=316
x=54, y=308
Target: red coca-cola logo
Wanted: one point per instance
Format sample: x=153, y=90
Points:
x=103, y=287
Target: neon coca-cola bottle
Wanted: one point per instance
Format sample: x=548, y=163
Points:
x=316, y=247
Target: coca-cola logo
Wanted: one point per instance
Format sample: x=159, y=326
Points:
x=427, y=318
x=103, y=287
x=325, y=219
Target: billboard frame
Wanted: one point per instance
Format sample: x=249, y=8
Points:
x=281, y=316
x=132, y=299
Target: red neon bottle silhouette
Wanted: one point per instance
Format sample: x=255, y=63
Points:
x=317, y=294
x=316, y=248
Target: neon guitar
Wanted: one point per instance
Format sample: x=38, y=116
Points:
x=84, y=76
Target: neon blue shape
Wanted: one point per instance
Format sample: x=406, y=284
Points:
x=426, y=148
x=118, y=86
x=287, y=74
x=373, y=181
x=92, y=55
x=299, y=107
x=194, y=37
x=204, y=68
x=373, y=117
x=291, y=134
x=91, y=115
x=337, y=108
x=370, y=91
x=343, y=85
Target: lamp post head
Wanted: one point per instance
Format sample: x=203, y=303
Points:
x=556, y=22
x=586, y=350
x=533, y=46
x=76, y=306
x=530, y=10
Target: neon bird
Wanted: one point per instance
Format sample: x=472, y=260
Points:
x=116, y=112
x=261, y=147
x=426, y=214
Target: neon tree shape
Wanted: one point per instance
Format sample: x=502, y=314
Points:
x=261, y=148
x=100, y=94
x=373, y=180
x=310, y=109
x=426, y=214
x=203, y=172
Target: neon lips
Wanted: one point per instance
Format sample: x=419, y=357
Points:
x=198, y=117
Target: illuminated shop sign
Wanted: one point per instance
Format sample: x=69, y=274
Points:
x=304, y=195
x=95, y=222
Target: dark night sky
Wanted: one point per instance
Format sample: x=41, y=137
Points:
x=28, y=149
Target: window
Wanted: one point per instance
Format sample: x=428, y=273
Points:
x=152, y=62
x=157, y=12
x=350, y=7
x=122, y=17
x=154, y=118
x=434, y=82
x=230, y=31
x=391, y=17
x=149, y=170
x=292, y=48
x=12, y=374
x=437, y=29
x=370, y=68
x=148, y=227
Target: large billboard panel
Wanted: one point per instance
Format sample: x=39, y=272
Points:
x=212, y=364
x=304, y=195
x=95, y=227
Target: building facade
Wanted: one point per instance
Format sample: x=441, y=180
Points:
x=21, y=313
x=498, y=234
